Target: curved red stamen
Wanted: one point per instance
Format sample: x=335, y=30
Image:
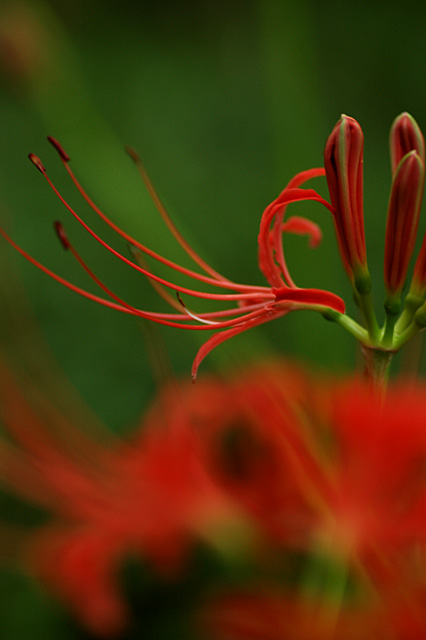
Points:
x=165, y=319
x=166, y=217
x=216, y=280
x=253, y=291
x=256, y=304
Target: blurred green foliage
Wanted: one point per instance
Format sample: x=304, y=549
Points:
x=225, y=101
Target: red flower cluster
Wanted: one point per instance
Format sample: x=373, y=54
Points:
x=252, y=305
x=272, y=465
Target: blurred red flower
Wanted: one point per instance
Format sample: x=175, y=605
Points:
x=149, y=496
x=269, y=465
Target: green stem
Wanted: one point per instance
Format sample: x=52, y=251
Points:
x=418, y=323
x=411, y=304
x=331, y=610
x=362, y=290
x=367, y=309
x=388, y=334
x=347, y=323
x=409, y=333
x=377, y=362
x=324, y=587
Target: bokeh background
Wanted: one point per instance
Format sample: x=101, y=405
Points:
x=225, y=101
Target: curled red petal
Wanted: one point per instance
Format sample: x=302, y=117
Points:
x=267, y=253
x=303, y=176
x=302, y=226
x=218, y=338
x=288, y=196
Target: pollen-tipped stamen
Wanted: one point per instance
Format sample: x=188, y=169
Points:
x=253, y=292
x=216, y=280
x=37, y=163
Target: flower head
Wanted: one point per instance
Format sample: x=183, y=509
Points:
x=247, y=305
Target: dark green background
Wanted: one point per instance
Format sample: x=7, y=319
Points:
x=225, y=101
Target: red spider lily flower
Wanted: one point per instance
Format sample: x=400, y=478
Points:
x=358, y=467
x=335, y=471
x=151, y=497
x=266, y=464
x=252, y=447
x=380, y=499
x=336, y=459
x=320, y=461
x=343, y=162
x=247, y=306
x=407, y=159
x=250, y=305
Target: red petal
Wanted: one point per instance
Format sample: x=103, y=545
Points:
x=303, y=176
x=223, y=336
x=303, y=226
x=310, y=297
x=267, y=262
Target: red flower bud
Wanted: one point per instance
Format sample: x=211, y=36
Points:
x=403, y=217
x=343, y=162
x=405, y=136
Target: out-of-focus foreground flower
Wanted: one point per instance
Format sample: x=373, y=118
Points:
x=318, y=487
x=357, y=468
x=108, y=499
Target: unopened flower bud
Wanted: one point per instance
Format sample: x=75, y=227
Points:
x=405, y=136
x=343, y=162
x=402, y=222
